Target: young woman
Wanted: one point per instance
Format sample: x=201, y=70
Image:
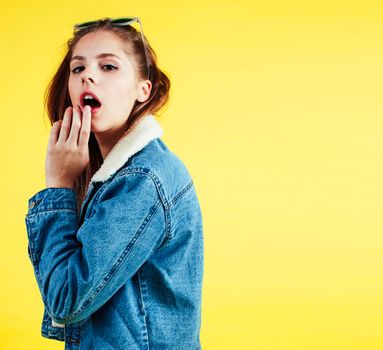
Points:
x=116, y=237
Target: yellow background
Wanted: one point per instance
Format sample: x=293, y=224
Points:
x=276, y=110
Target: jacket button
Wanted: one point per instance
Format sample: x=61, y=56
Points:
x=32, y=205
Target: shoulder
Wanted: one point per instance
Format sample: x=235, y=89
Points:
x=158, y=165
x=161, y=160
x=128, y=185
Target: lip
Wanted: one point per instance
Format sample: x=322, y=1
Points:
x=93, y=110
x=89, y=92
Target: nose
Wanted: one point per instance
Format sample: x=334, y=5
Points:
x=87, y=78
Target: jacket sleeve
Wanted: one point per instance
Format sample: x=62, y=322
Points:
x=78, y=269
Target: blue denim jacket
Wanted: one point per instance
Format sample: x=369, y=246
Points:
x=126, y=272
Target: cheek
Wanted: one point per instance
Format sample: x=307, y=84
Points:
x=71, y=89
x=124, y=88
x=126, y=93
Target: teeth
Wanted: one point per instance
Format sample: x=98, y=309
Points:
x=88, y=99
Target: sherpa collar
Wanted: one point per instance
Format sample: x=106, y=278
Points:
x=145, y=131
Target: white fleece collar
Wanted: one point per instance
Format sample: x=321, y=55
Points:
x=145, y=131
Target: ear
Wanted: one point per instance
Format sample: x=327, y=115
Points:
x=143, y=90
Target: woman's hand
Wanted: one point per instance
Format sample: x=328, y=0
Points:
x=68, y=153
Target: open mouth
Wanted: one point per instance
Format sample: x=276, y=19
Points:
x=89, y=100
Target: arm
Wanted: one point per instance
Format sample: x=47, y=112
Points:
x=78, y=269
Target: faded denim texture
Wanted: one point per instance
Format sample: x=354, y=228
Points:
x=126, y=272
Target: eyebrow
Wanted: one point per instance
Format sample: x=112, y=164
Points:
x=101, y=55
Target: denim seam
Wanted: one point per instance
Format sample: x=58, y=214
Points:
x=116, y=265
x=132, y=171
x=142, y=288
x=96, y=196
x=30, y=242
x=181, y=193
x=53, y=209
x=145, y=171
x=175, y=199
x=161, y=194
x=34, y=258
x=35, y=263
x=40, y=283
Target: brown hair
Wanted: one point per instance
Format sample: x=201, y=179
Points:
x=57, y=97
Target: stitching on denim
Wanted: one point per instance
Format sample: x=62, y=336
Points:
x=165, y=238
x=142, y=288
x=145, y=171
x=30, y=241
x=95, y=198
x=39, y=282
x=128, y=172
x=181, y=193
x=35, y=260
x=49, y=210
x=178, y=196
x=119, y=262
x=116, y=265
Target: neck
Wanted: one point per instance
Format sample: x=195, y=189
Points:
x=135, y=139
x=107, y=139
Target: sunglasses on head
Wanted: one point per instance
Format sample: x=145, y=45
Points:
x=118, y=22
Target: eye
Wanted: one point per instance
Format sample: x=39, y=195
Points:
x=110, y=67
x=74, y=69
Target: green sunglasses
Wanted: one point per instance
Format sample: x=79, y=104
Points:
x=118, y=22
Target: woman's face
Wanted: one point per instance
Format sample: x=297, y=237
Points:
x=112, y=78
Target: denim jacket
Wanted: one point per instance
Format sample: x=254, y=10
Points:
x=126, y=272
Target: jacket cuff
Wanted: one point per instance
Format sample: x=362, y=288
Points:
x=53, y=198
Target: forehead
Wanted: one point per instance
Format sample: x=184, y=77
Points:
x=94, y=43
